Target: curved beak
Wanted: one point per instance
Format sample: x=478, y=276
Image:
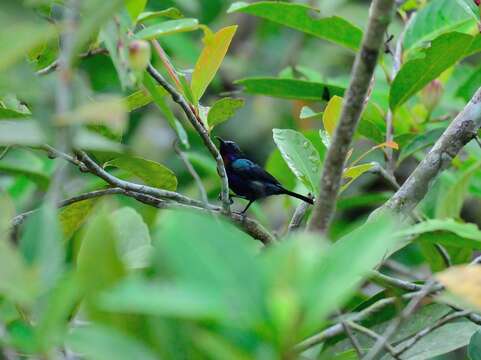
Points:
x=221, y=141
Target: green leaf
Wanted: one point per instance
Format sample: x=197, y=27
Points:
x=452, y=201
x=441, y=341
x=158, y=95
x=18, y=282
x=27, y=37
x=436, y=18
x=133, y=237
x=332, y=113
x=290, y=88
x=276, y=166
x=444, y=52
x=474, y=347
x=104, y=343
x=21, y=162
x=41, y=245
x=341, y=272
x=12, y=114
x=151, y=172
x=223, y=110
x=305, y=19
x=180, y=300
x=420, y=142
x=470, y=8
x=142, y=97
x=172, y=13
x=469, y=87
x=135, y=7
x=210, y=59
x=73, y=216
x=301, y=156
x=26, y=133
x=308, y=113
x=91, y=141
x=167, y=28
x=446, y=232
x=353, y=172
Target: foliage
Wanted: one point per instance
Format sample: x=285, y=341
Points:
x=112, y=241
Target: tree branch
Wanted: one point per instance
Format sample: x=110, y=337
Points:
x=461, y=131
x=373, y=335
x=201, y=130
x=363, y=69
x=53, y=66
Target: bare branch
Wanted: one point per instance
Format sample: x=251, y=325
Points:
x=373, y=335
x=53, y=66
x=201, y=130
x=395, y=282
x=297, y=217
x=461, y=131
x=363, y=69
x=350, y=335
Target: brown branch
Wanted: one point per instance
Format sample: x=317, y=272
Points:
x=298, y=217
x=201, y=130
x=461, y=131
x=362, y=73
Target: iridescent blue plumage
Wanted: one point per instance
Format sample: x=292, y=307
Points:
x=247, y=179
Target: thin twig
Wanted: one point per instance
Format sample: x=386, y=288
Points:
x=389, y=177
x=402, y=348
x=373, y=335
x=201, y=130
x=297, y=217
x=167, y=64
x=5, y=152
x=379, y=17
x=396, y=322
x=350, y=335
x=192, y=172
x=395, y=282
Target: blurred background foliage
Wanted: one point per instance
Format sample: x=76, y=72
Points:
x=115, y=278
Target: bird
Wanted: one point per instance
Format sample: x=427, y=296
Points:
x=249, y=180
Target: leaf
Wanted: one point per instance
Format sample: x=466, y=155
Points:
x=470, y=8
x=332, y=113
x=41, y=245
x=17, y=282
x=276, y=166
x=21, y=162
x=12, y=114
x=469, y=87
x=474, y=347
x=73, y=216
x=452, y=201
x=301, y=156
x=444, y=52
x=103, y=343
x=135, y=7
x=27, y=36
x=290, y=88
x=420, y=142
x=133, y=237
x=436, y=18
x=353, y=172
x=223, y=110
x=151, y=172
x=108, y=110
x=172, y=13
x=142, y=97
x=441, y=341
x=91, y=141
x=341, y=272
x=159, y=98
x=466, y=235
x=304, y=18
x=308, y=113
x=26, y=133
x=184, y=301
x=167, y=28
x=462, y=281
x=210, y=59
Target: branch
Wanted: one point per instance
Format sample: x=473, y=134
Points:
x=461, y=131
x=297, y=217
x=373, y=335
x=53, y=66
x=204, y=134
x=362, y=73
x=346, y=326
x=395, y=282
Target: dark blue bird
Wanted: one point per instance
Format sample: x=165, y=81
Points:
x=247, y=179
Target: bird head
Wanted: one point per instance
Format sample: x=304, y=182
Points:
x=229, y=150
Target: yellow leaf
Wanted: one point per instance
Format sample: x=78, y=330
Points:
x=464, y=282
x=353, y=172
x=332, y=114
x=210, y=59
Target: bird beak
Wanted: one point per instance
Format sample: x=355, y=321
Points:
x=220, y=140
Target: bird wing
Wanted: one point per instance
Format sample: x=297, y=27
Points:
x=251, y=171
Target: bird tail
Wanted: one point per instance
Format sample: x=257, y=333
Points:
x=298, y=196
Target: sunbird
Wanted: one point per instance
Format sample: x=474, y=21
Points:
x=247, y=179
